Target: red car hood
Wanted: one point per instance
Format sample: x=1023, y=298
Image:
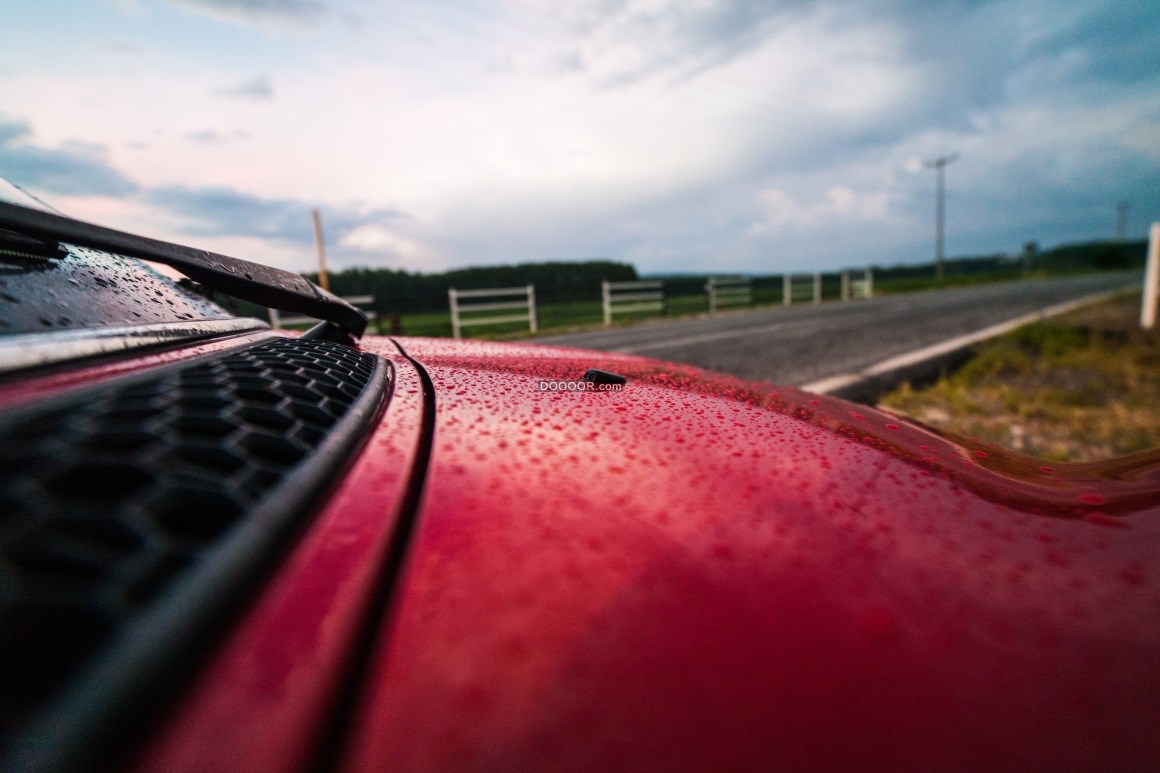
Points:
x=696, y=572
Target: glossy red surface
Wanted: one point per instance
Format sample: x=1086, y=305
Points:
x=698, y=573
x=268, y=697
x=694, y=572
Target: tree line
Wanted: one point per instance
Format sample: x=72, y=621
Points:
x=407, y=292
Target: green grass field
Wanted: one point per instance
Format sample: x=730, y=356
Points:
x=557, y=318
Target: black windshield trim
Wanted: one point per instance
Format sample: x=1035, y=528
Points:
x=253, y=282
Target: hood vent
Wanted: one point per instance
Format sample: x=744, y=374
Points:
x=136, y=514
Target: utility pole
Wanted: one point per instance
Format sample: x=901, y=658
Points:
x=1122, y=220
x=320, y=246
x=939, y=164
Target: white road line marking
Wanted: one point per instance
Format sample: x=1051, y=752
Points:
x=836, y=382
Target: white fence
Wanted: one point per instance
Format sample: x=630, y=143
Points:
x=728, y=291
x=791, y=288
x=458, y=309
x=858, y=288
x=631, y=297
x=277, y=321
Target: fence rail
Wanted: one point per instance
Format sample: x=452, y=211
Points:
x=458, y=309
x=791, y=289
x=728, y=291
x=631, y=297
x=858, y=288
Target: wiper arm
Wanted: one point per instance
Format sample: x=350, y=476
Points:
x=253, y=282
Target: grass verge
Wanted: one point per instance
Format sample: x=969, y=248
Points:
x=558, y=318
x=1082, y=387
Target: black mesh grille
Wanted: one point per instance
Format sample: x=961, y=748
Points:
x=113, y=497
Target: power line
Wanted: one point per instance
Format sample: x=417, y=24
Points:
x=939, y=165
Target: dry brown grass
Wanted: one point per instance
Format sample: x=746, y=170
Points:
x=1082, y=387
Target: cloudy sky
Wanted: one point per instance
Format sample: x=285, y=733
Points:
x=724, y=135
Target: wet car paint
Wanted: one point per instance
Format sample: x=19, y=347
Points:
x=695, y=571
x=701, y=573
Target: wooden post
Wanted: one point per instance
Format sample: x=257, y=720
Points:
x=532, y=307
x=786, y=290
x=1151, y=280
x=275, y=319
x=845, y=285
x=320, y=247
x=817, y=287
x=712, y=295
x=606, y=297
x=869, y=281
x=453, y=298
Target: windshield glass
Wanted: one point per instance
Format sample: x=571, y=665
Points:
x=60, y=301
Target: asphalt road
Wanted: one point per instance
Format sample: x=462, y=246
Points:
x=805, y=343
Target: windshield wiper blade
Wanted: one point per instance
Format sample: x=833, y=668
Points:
x=253, y=282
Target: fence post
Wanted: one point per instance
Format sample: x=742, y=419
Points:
x=606, y=297
x=532, y=307
x=869, y=281
x=1151, y=280
x=712, y=295
x=275, y=319
x=453, y=297
x=786, y=290
x=817, y=287
x=845, y=285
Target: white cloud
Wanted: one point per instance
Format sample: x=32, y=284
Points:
x=127, y=7
x=781, y=212
x=377, y=239
x=257, y=11
x=254, y=89
x=674, y=134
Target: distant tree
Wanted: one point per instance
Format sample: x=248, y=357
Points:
x=402, y=291
x=1110, y=255
x=1030, y=250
